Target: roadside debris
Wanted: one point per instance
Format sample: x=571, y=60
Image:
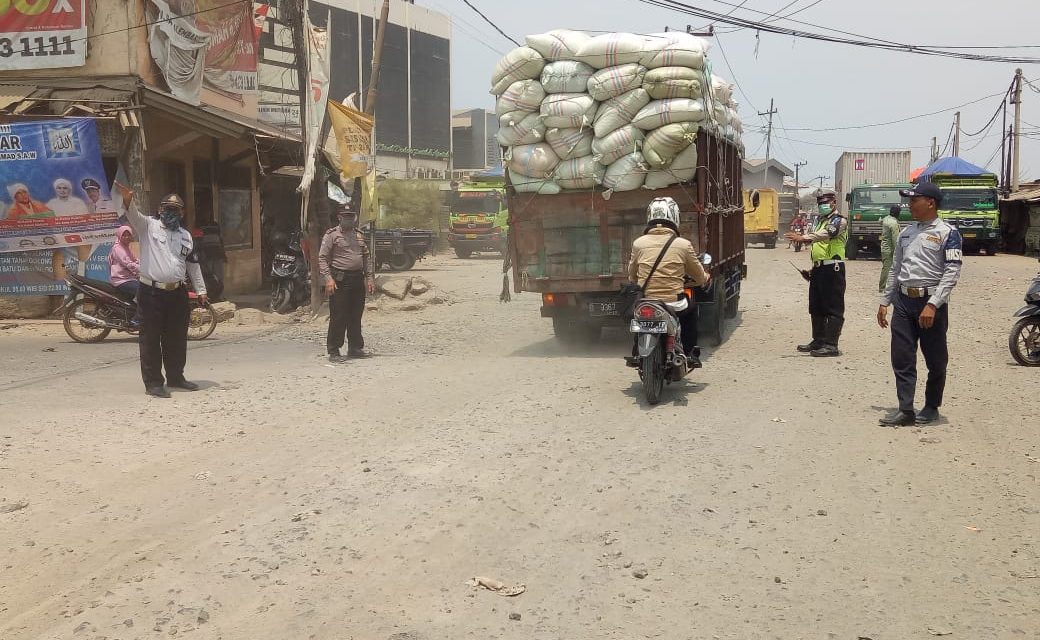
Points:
x=497, y=586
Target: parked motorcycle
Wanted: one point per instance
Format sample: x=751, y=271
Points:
x=290, y=277
x=1024, y=340
x=659, y=353
x=95, y=308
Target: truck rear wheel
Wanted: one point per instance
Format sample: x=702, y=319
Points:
x=401, y=262
x=712, y=321
x=851, y=250
x=463, y=253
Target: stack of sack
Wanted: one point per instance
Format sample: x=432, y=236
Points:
x=619, y=110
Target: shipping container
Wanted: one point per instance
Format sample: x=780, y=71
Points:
x=573, y=248
x=868, y=167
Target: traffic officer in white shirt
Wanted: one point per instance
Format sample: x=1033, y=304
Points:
x=925, y=268
x=167, y=257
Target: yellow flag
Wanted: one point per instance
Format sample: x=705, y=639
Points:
x=353, y=131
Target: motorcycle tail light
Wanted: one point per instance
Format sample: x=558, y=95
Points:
x=646, y=312
x=689, y=294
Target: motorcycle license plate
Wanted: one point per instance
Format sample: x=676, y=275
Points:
x=600, y=309
x=653, y=327
x=282, y=256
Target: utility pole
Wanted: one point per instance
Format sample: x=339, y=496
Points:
x=370, y=109
x=957, y=134
x=1018, y=130
x=798, y=185
x=821, y=179
x=935, y=148
x=769, y=132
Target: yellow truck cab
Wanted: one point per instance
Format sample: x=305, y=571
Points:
x=762, y=225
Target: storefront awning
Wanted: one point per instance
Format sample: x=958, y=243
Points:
x=212, y=121
x=13, y=94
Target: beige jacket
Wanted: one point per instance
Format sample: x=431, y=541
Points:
x=680, y=260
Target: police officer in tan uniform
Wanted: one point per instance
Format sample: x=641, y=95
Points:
x=347, y=270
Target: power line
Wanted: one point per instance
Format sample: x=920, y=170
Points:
x=488, y=20
x=856, y=40
x=733, y=75
x=996, y=113
x=842, y=146
x=155, y=22
x=891, y=122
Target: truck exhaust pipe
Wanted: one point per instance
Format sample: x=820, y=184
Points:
x=91, y=320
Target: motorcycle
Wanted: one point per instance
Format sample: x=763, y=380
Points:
x=659, y=354
x=94, y=308
x=290, y=277
x=1024, y=339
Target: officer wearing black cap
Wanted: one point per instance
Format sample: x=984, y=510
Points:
x=347, y=270
x=827, y=278
x=925, y=268
x=95, y=204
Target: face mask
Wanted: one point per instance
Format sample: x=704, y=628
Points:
x=171, y=219
x=826, y=209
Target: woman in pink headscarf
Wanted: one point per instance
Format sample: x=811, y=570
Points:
x=123, y=266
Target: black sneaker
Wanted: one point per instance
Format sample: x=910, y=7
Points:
x=183, y=384
x=826, y=351
x=807, y=348
x=898, y=419
x=356, y=353
x=157, y=392
x=928, y=415
x=336, y=358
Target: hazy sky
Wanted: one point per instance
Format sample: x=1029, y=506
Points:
x=814, y=84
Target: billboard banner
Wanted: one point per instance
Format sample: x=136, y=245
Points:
x=45, y=34
x=42, y=273
x=53, y=189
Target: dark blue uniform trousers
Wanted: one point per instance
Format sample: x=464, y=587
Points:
x=906, y=334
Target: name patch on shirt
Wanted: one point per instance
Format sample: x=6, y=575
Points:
x=936, y=239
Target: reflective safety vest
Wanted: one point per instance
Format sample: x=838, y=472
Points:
x=832, y=248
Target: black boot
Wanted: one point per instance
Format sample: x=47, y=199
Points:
x=819, y=324
x=831, y=334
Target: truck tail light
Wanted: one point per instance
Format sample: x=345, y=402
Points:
x=554, y=299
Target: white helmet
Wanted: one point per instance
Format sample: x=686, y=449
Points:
x=663, y=211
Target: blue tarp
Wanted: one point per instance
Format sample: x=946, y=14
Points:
x=497, y=171
x=952, y=166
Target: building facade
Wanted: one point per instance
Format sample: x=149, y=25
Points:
x=473, y=135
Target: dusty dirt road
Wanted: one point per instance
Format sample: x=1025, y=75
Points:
x=292, y=499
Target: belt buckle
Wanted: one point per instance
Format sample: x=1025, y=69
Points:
x=913, y=292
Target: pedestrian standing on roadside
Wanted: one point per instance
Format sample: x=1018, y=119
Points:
x=827, y=278
x=925, y=268
x=347, y=270
x=889, y=237
x=124, y=269
x=167, y=260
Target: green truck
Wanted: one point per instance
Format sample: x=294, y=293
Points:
x=478, y=218
x=868, y=205
x=970, y=203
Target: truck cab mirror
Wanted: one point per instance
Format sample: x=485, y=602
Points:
x=848, y=198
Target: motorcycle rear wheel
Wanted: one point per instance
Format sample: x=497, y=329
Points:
x=81, y=331
x=281, y=299
x=1024, y=342
x=202, y=322
x=653, y=374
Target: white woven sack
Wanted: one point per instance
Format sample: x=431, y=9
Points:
x=568, y=110
x=721, y=115
x=533, y=160
x=570, y=143
x=614, y=81
x=527, y=184
x=612, y=49
x=682, y=169
x=625, y=174
x=522, y=63
x=664, y=144
x=721, y=90
x=735, y=121
x=661, y=112
x=618, y=112
x=566, y=76
x=522, y=95
x=579, y=173
x=673, y=82
x=528, y=130
x=610, y=148
x=674, y=49
x=559, y=44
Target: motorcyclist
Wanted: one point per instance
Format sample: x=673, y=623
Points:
x=679, y=262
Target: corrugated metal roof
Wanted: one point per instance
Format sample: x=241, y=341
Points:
x=10, y=94
x=212, y=121
x=1028, y=194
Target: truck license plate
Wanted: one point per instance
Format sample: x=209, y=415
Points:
x=471, y=236
x=969, y=235
x=603, y=309
x=653, y=327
